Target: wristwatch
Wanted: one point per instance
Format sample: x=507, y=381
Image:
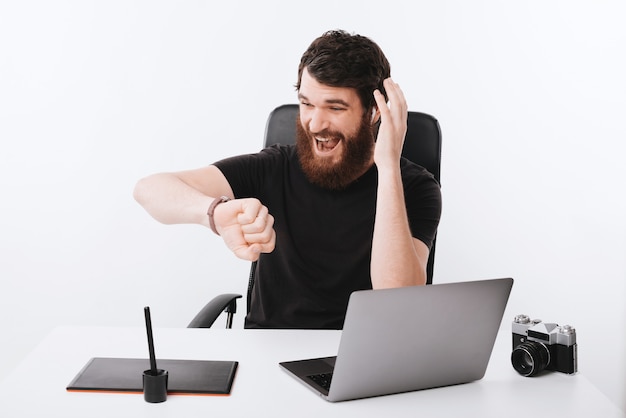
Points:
x=211, y=209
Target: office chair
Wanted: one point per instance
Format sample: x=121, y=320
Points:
x=422, y=146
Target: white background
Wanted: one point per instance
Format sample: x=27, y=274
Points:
x=531, y=97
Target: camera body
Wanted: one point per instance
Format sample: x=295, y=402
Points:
x=541, y=346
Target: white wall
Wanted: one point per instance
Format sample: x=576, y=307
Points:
x=95, y=94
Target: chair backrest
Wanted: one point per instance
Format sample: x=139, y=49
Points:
x=422, y=146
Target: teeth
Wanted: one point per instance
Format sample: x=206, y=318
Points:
x=322, y=139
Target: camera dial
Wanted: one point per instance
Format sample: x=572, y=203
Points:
x=522, y=319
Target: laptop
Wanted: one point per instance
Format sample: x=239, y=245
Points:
x=410, y=338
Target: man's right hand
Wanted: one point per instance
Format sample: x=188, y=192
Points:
x=246, y=227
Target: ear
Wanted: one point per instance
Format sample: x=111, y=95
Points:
x=375, y=115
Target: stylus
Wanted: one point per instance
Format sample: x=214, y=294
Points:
x=153, y=365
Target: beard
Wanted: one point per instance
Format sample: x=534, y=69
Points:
x=356, y=156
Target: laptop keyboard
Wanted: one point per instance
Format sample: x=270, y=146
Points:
x=322, y=379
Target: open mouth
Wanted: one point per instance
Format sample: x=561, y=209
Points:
x=326, y=144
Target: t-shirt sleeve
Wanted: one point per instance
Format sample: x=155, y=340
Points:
x=247, y=173
x=422, y=194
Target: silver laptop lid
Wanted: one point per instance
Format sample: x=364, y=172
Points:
x=404, y=339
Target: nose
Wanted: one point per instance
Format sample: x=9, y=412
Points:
x=317, y=121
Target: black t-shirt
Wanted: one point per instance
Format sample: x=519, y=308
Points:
x=323, y=237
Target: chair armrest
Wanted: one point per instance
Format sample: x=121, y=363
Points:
x=207, y=316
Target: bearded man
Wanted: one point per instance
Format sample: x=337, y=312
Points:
x=339, y=211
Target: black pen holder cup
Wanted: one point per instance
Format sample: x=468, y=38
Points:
x=155, y=385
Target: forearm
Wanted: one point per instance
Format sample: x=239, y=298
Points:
x=170, y=200
x=395, y=259
x=245, y=225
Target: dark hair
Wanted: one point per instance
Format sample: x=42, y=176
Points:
x=339, y=59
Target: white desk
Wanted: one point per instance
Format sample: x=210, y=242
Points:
x=262, y=389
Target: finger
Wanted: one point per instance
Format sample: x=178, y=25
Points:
x=252, y=252
x=250, y=210
x=259, y=224
x=381, y=103
x=262, y=235
x=246, y=253
x=265, y=247
x=395, y=94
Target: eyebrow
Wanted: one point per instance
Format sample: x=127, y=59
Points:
x=328, y=101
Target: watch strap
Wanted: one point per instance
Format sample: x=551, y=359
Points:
x=211, y=209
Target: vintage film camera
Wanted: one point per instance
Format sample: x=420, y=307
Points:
x=541, y=346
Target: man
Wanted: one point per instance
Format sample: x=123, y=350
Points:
x=339, y=211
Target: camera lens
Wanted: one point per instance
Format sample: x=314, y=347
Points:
x=530, y=358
